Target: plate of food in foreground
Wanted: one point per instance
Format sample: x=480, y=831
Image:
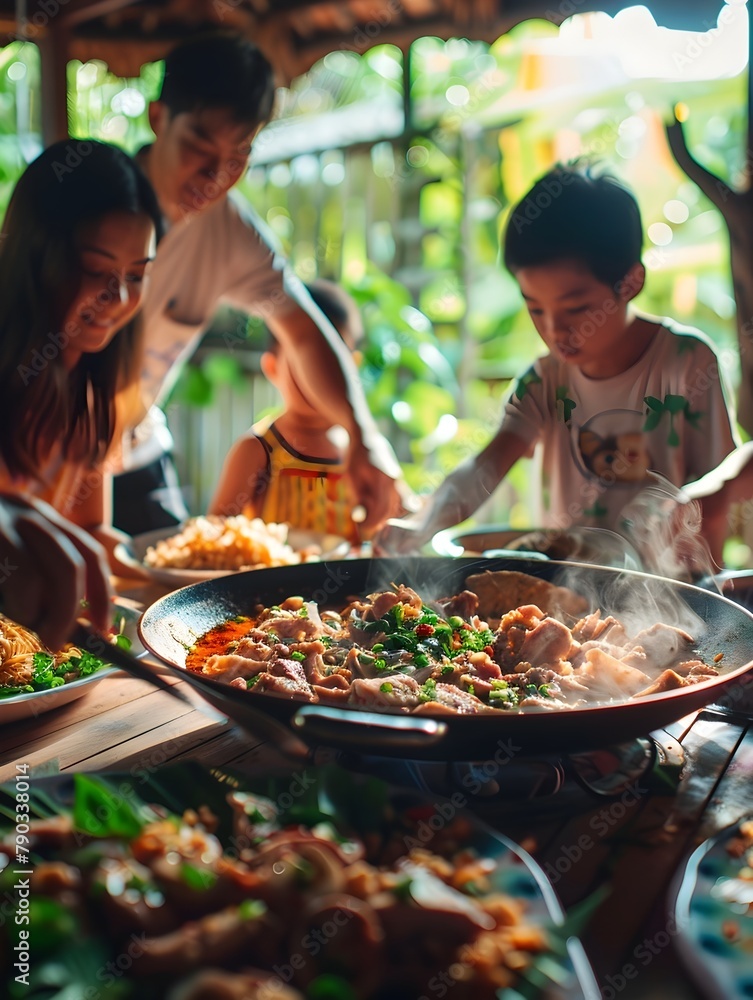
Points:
x=210, y=546
x=34, y=679
x=490, y=648
x=714, y=913
x=214, y=884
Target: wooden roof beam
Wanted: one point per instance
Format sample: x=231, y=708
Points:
x=81, y=11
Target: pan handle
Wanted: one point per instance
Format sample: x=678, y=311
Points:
x=371, y=731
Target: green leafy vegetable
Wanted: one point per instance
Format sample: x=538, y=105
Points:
x=102, y=811
x=199, y=879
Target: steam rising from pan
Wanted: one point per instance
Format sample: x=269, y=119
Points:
x=664, y=526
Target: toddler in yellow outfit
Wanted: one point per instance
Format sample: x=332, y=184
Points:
x=291, y=468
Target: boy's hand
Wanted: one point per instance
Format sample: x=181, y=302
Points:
x=402, y=536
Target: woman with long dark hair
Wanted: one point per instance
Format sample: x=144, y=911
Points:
x=78, y=236
x=75, y=247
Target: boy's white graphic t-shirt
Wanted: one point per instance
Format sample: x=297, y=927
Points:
x=602, y=438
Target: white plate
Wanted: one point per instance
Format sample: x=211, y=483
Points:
x=132, y=554
x=28, y=706
x=474, y=541
x=723, y=968
x=577, y=544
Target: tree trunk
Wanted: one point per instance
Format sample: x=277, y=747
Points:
x=736, y=207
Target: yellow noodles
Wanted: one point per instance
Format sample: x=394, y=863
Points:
x=17, y=648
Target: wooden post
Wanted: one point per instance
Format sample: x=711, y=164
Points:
x=53, y=49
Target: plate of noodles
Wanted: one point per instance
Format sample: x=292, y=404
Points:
x=34, y=679
x=211, y=546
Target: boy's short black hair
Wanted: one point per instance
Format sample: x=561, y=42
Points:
x=572, y=212
x=219, y=69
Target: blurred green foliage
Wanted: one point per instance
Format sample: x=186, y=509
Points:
x=407, y=214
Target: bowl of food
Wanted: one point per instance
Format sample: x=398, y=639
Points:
x=578, y=544
x=211, y=546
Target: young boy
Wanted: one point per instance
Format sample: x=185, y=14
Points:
x=289, y=469
x=214, y=250
x=618, y=395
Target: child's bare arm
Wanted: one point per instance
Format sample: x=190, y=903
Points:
x=238, y=488
x=459, y=496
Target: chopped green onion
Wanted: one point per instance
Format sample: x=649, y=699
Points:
x=428, y=690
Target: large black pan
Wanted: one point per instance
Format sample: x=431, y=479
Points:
x=171, y=626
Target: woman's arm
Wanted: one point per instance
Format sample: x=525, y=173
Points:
x=88, y=506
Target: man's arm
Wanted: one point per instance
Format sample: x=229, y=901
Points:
x=89, y=507
x=459, y=496
x=327, y=375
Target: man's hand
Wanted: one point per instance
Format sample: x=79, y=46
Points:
x=47, y=567
x=109, y=538
x=375, y=490
x=402, y=536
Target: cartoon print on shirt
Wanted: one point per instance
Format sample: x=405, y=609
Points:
x=612, y=448
x=531, y=377
x=672, y=407
x=564, y=405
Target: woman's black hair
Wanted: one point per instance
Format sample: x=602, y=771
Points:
x=42, y=404
x=575, y=213
x=219, y=69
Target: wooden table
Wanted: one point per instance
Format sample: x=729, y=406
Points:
x=632, y=845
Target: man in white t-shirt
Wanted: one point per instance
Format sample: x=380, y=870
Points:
x=216, y=95
x=618, y=398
